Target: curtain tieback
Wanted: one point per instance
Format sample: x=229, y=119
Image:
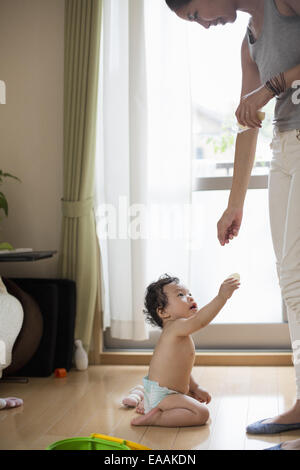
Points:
x=76, y=209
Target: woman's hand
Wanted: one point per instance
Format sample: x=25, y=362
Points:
x=229, y=225
x=250, y=104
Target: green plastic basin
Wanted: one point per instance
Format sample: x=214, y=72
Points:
x=86, y=443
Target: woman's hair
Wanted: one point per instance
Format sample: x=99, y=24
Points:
x=156, y=298
x=177, y=4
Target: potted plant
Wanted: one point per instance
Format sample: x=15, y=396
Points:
x=4, y=206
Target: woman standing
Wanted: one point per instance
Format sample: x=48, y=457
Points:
x=271, y=69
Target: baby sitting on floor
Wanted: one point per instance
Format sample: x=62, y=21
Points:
x=172, y=398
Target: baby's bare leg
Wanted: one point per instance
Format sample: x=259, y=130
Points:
x=175, y=411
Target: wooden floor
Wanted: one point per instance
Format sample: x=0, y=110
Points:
x=89, y=402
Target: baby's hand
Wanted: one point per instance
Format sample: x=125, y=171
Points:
x=228, y=287
x=201, y=395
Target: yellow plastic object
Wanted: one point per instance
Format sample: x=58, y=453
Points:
x=130, y=444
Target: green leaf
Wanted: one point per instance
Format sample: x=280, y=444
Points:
x=3, y=200
x=8, y=175
x=3, y=203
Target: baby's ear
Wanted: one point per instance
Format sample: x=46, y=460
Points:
x=160, y=312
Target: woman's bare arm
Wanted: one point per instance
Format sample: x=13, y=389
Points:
x=245, y=149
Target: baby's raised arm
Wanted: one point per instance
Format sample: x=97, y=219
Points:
x=187, y=326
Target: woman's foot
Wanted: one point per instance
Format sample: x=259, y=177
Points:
x=291, y=416
x=10, y=402
x=291, y=445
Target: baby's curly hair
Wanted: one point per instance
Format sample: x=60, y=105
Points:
x=177, y=4
x=156, y=298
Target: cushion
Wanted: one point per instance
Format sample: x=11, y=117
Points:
x=31, y=332
x=11, y=320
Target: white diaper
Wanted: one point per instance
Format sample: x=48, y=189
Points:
x=154, y=394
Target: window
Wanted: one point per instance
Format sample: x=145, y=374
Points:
x=215, y=76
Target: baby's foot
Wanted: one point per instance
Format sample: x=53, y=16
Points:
x=10, y=402
x=140, y=408
x=146, y=419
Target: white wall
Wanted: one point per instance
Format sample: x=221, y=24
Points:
x=31, y=128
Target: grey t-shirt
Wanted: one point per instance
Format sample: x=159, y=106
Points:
x=276, y=50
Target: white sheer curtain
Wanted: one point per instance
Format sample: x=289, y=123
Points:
x=143, y=170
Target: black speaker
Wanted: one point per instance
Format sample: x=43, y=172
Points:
x=56, y=299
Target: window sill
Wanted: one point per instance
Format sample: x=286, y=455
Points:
x=217, y=337
x=204, y=358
